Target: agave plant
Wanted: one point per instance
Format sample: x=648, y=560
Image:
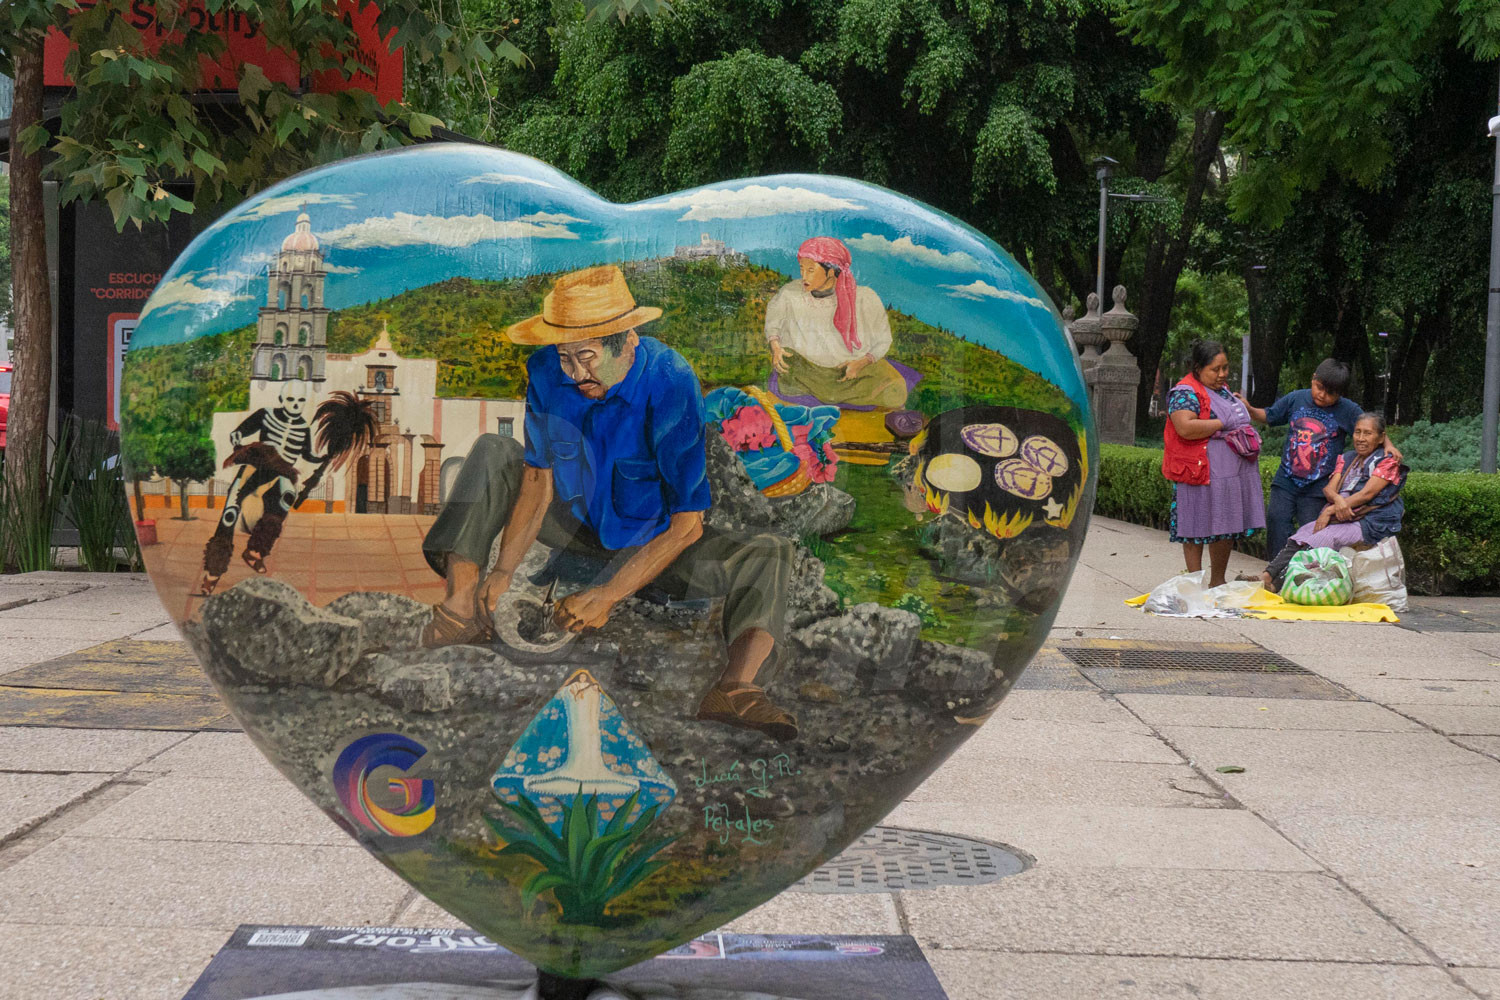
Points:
x=585, y=868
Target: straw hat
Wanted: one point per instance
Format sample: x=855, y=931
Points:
x=594, y=302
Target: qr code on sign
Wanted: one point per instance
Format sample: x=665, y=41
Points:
x=278, y=938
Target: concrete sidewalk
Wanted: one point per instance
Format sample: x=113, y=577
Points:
x=1357, y=856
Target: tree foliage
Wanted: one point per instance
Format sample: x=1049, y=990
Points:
x=137, y=133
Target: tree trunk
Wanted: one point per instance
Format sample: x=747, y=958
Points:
x=1399, y=349
x=31, y=382
x=1269, y=321
x=140, y=501
x=1412, y=378
x=182, y=499
x=1167, y=255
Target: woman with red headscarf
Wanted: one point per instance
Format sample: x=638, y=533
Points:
x=829, y=336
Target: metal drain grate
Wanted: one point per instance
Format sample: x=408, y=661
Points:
x=1230, y=657
x=888, y=858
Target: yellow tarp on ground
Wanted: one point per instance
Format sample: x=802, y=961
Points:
x=1271, y=607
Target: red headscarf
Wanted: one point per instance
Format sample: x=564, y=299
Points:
x=830, y=252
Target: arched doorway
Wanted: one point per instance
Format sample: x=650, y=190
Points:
x=362, y=487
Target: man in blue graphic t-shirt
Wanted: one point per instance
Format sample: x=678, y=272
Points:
x=1319, y=421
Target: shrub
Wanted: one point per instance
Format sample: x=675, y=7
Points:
x=1450, y=534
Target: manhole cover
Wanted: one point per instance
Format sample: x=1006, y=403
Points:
x=1131, y=654
x=888, y=858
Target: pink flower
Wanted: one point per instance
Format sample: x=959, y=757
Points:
x=820, y=468
x=749, y=429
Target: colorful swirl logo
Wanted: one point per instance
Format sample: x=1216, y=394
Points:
x=408, y=808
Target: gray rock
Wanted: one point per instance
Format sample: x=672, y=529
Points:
x=868, y=639
x=738, y=505
x=949, y=677
x=818, y=510
x=417, y=687
x=263, y=630
x=1034, y=569
x=809, y=599
x=391, y=621
x=962, y=553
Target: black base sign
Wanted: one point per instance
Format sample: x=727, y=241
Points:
x=420, y=963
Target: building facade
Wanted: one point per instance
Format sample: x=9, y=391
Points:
x=291, y=335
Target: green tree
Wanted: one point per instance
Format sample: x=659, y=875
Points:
x=134, y=133
x=183, y=456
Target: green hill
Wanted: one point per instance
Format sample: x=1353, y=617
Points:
x=715, y=316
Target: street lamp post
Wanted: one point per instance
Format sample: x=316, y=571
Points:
x=1492, y=323
x=1104, y=168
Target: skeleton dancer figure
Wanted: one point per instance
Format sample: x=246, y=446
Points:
x=264, y=489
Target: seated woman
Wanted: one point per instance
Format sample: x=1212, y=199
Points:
x=1364, y=502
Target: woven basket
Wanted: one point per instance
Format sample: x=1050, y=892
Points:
x=797, y=481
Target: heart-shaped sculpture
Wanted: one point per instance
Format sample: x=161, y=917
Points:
x=604, y=569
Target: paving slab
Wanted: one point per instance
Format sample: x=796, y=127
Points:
x=1051, y=740
x=29, y=799
x=1115, y=836
x=1489, y=745
x=104, y=963
x=1265, y=713
x=1456, y=720
x=92, y=629
x=229, y=756
x=18, y=653
x=1435, y=691
x=1192, y=914
x=142, y=883
x=119, y=665
x=1064, y=706
x=821, y=913
x=1399, y=846
x=101, y=603
x=1304, y=772
x=976, y=975
x=1010, y=781
x=178, y=807
x=161, y=633
x=36, y=748
x=1140, y=625
x=15, y=591
x=1443, y=666
x=23, y=706
x=1485, y=981
x=1457, y=916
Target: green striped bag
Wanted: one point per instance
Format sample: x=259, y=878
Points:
x=1319, y=577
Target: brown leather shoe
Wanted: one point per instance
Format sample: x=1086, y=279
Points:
x=746, y=706
x=448, y=629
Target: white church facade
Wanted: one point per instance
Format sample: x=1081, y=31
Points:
x=422, y=439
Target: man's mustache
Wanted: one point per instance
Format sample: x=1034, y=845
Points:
x=588, y=382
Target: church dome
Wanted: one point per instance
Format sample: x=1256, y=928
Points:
x=303, y=239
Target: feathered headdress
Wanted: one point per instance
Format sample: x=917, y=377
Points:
x=346, y=427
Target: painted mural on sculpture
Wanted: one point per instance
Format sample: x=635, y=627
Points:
x=605, y=568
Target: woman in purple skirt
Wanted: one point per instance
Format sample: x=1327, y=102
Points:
x=1212, y=455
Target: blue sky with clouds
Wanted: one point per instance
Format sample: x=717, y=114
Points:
x=401, y=220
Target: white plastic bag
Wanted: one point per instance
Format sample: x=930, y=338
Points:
x=1380, y=575
x=1186, y=596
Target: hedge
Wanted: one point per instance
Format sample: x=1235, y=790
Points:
x=1450, y=535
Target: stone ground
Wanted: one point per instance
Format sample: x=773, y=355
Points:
x=1356, y=857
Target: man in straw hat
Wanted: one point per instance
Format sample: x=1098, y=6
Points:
x=614, y=468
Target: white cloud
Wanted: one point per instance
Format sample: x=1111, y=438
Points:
x=557, y=217
x=341, y=269
x=755, y=201
x=501, y=178
x=194, y=290
x=404, y=229
x=284, y=203
x=904, y=248
x=609, y=241
x=977, y=290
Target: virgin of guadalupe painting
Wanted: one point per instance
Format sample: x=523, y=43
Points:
x=604, y=569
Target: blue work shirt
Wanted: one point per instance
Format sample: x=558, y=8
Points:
x=1314, y=441
x=623, y=464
